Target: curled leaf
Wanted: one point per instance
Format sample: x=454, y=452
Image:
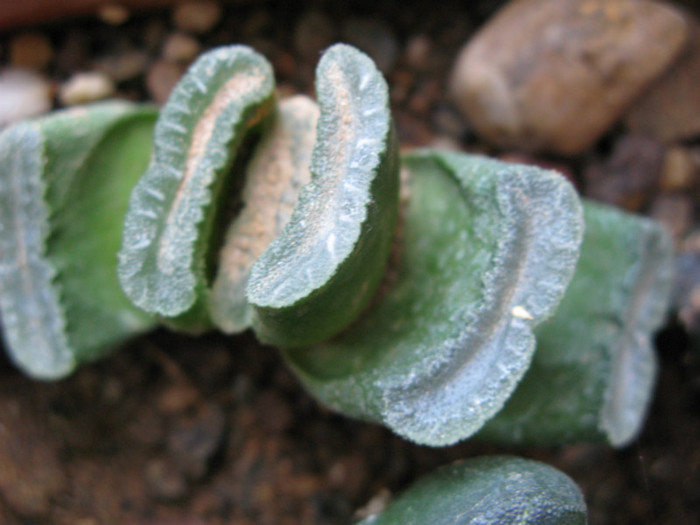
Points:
x=487, y=252
x=171, y=222
x=594, y=369
x=488, y=490
x=64, y=186
x=318, y=275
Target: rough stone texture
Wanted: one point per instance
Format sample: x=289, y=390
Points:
x=554, y=76
x=670, y=109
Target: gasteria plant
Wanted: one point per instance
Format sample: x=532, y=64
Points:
x=420, y=307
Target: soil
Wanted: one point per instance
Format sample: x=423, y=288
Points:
x=182, y=430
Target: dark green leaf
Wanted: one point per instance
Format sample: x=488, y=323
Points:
x=488, y=491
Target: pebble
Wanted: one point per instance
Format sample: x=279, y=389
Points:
x=23, y=94
x=164, y=480
x=31, y=51
x=312, y=34
x=675, y=212
x=630, y=176
x=113, y=14
x=680, y=169
x=670, y=109
x=181, y=47
x=554, y=76
x=196, y=17
x=86, y=87
x=418, y=52
x=123, y=66
x=193, y=442
x=375, y=38
x=161, y=79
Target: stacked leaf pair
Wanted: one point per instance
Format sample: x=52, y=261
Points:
x=420, y=307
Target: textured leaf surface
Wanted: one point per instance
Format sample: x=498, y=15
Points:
x=169, y=225
x=487, y=252
x=275, y=175
x=488, y=490
x=64, y=186
x=318, y=275
x=594, y=368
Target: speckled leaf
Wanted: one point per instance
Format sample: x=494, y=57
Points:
x=486, y=253
x=594, y=368
x=488, y=491
x=319, y=274
x=64, y=185
x=275, y=175
x=169, y=228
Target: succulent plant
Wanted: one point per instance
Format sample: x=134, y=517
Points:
x=419, y=291
x=65, y=181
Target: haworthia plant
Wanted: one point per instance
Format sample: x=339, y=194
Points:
x=486, y=253
x=594, y=369
x=64, y=185
x=321, y=272
x=488, y=490
x=170, y=226
x=275, y=175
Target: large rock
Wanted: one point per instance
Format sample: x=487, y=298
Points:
x=553, y=76
x=670, y=109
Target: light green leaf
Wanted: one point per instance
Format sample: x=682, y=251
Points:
x=486, y=252
x=594, y=370
x=64, y=186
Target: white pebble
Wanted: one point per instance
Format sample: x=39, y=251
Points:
x=85, y=87
x=23, y=94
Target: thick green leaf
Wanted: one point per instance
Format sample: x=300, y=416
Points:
x=321, y=272
x=487, y=250
x=170, y=226
x=275, y=175
x=64, y=186
x=594, y=369
x=488, y=490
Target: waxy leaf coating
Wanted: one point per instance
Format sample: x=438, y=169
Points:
x=487, y=250
x=320, y=273
x=594, y=369
x=168, y=230
x=488, y=490
x=65, y=181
